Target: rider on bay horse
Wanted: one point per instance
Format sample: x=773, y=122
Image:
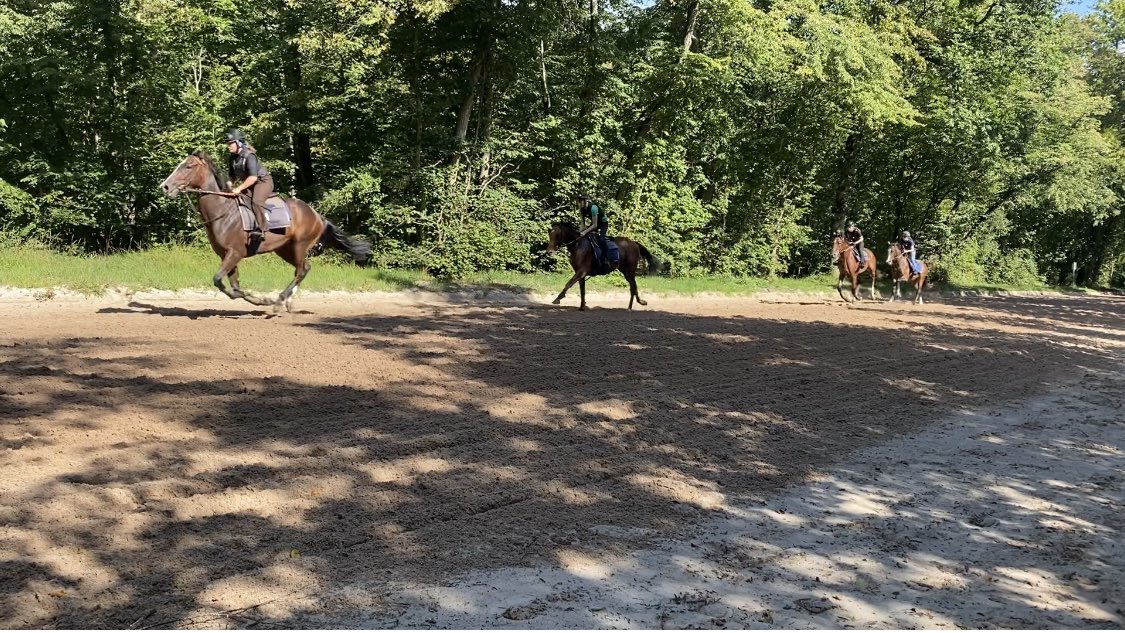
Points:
x=598, y=221
x=854, y=238
x=910, y=252
x=244, y=166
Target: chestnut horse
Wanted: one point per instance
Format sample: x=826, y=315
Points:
x=844, y=257
x=217, y=205
x=582, y=260
x=900, y=271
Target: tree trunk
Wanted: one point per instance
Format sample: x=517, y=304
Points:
x=586, y=96
x=466, y=111
x=1102, y=239
x=297, y=108
x=644, y=124
x=486, y=105
x=846, y=179
x=543, y=74
x=689, y=33
x=416, y=92
x=107, y=141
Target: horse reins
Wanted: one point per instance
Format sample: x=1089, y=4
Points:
x=570, y=243
x=225, y=194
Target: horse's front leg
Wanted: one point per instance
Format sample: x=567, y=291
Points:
x=840, y=286
x=573, y=280
x=233, y=278
x=229, y=267
x=582, y=293
x=855, y=286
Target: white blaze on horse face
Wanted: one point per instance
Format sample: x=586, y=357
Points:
x=173, y=192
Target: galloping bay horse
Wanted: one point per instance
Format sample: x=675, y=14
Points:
x=900, y=270
x=845, y=259
x=583, y=262
x=219, y=208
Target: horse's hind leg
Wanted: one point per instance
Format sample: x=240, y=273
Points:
x=633, y=294
x=297, y=256
x=630, y=273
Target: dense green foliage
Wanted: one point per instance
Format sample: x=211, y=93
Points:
x=730, y=136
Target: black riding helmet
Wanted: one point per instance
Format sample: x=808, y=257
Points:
x=906, y=233
x=234, y=136
x=581, y=196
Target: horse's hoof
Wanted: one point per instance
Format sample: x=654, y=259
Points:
x=583, y=308
x=556, y=302
x=642, y=302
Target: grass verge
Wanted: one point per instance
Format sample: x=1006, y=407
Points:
x=179, y=268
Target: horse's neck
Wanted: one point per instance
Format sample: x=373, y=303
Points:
x=212, y=206
x=570, y=234
x=901, y=264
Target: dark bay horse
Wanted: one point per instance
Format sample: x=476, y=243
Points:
x=844, y=258
x=582, y=260
x=198, y=174
x=900, y=271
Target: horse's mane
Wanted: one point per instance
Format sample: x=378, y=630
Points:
x=220, y=178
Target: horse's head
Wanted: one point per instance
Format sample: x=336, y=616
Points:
x=839, y=246
x=560, y=234
x=893, y=253
x=191, y=173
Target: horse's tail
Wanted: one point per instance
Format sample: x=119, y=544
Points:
x=360, y=250
x=654, y=264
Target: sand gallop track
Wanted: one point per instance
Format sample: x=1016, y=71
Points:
x=177, y=462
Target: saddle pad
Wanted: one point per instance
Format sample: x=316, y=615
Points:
x=276, y=208
x=609, y=264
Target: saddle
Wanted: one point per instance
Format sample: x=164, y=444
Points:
x=604, y=263
x=277, y=214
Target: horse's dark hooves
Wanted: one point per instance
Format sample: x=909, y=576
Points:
x=583, y=308
x=642, y=302
x=556, y=302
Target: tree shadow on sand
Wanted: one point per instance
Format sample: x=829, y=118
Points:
x=520, y=433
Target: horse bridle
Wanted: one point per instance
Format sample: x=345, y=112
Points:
x=207, y=192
